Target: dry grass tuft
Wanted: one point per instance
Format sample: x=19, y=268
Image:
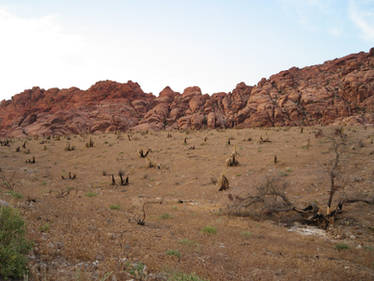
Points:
x=90, y=143
x=142, y=153
x=31, y=161
x=223, y=183
x=232, y=161
x=150, y=164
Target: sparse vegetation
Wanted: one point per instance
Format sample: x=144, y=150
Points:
x=13, y=245
x=223, y=183
x=142, y=153
x=44, y=228
x=114, y=207
x=136, y=269
x=69, y=177
x=108, y=228
x=174, y=253
x=90, y=143
x=165, y=216
x=187, y=242
x=232, y=161
x=15, y=194
x=91, y=194
x=69, y=147
x=31, y=161
x=246, y=234
x=209, y=230
x=151, y=164
x=341, y=246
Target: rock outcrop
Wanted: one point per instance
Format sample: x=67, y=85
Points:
x=337, y=91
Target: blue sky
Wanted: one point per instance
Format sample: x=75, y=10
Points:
x=180, y=43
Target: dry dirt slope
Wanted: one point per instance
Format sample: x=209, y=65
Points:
x=85, y=229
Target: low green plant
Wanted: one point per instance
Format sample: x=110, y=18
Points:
x=341, y=246
x=91, y=194
x=187, y=242
x=136, y=269
x=246, y=234
x=283, y=174
x=114, y=207
x=13, y=245
x=175, y=253
x=44, y=227
x=165, y=216
x=209, y=230
x=15, y=194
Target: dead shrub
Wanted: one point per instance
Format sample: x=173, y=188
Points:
x=69, y=177
x=143, y=154
x=223, y=183
x=69, y=147
x=151, y=164
x=31, y=161
x=124, y=180
x=269, y=198
x=264, y=140
x=140, y=220
x=5, y=142
x=90, y=143
x=232, y=161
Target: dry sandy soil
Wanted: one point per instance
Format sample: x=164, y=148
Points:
x=86, y=229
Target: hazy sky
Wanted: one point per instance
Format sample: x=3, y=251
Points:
x=211, y=44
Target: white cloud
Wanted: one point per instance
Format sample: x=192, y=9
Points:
x=363, y=18
x=43, y=51
x=34, y=50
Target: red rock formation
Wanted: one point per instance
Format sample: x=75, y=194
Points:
x=340, y=90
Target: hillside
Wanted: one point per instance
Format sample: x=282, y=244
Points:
x=340, y=90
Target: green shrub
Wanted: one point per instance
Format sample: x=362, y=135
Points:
x=136, y=269
x=44, y=227
x=114, y=207
x=13, y=245
x=91, y=194
x=246, y=234
x=186, y=242
x=209, y=230
x=15, y=194
x=175, y=253
x=341, y=246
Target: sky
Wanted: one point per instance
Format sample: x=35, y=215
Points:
x=214, y=44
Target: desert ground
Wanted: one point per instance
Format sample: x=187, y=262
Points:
x=85, y=228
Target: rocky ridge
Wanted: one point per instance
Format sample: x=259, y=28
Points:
x=337, y=91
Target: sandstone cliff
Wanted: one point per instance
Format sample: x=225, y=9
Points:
x=340, y=90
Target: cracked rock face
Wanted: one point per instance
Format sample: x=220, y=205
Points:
x=337, y=91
